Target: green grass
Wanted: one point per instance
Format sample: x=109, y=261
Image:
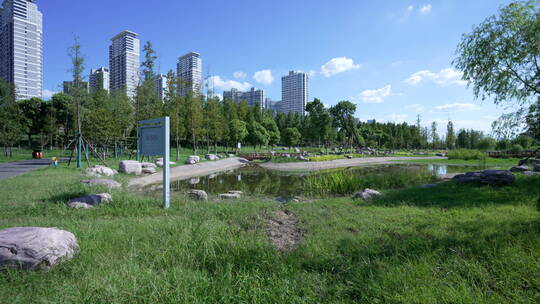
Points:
x=466, y=154
x=450, y=244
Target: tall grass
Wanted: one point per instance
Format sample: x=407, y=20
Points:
x=343, y=182
x=466, y=154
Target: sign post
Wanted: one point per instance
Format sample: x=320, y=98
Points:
x=153, y=139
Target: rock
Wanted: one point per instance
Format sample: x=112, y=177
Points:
x=367, y=194
x=296, y=150
x=193, y=159
x=427, y=186
x=211, y=157
x=111, y=184
x=149, y=170
x=35, y=248
x=531, y=173
x=229, y=196
x=440, y=154
x=194, y=181
x=235, y=192
x=159, y=163
x=286, y=155
x=198, y=195
x=231, y=155
x=90, y=201
x=302, y=158
x=149, y=165
x=348, y=157
x=97, y=171
x=487, y=177
x=130, y=167
x=532, y=161
x=521, y=168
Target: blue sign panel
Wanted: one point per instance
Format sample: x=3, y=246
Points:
x=151, y=140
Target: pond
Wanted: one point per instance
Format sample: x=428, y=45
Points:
x=255, y=180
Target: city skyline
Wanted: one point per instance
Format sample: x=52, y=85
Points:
x=394, y=60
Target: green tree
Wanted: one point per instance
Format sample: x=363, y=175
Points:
x=214, y=124
x=434, y=135
x=274, y=136
x=257, y=134
x=450, y=135
x=237, y=131
x=193, y=120
x=291, y=137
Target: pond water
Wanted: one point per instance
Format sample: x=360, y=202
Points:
x=256, y=180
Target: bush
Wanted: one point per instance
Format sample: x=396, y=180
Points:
x=466, y=154
x=516, y=148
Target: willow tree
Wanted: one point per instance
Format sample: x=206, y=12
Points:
x=500, y=58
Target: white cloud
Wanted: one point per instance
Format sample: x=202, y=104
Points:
x=312, y=73
x=239, y=75
x=410, y=8
x=425, y=9
x=338, y=65
x=264, y=77
x=376, y=96
x=444, y=77
x=395, y=117
x=457, y=107
x=415, y=107
x=228, y=84
x=47, y=94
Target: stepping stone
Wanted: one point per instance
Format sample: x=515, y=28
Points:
x=90, y=201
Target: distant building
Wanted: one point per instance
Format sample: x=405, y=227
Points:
x=161, y=86
x=189, y=70
x=21, y=47
x=99, y=79
x=371, y=121
x=124, y=62
x=294, y=92
x=274, y=106
x=68, y=87
x=252, y=96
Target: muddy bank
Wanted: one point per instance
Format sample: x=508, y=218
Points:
x=188, y=171
x=340, y=163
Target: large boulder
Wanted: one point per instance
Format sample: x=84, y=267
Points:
x=487, y=177
x=159, y=162
x=211, y=157
x=90, y=201
x=148, y=165
x=367, y=194
x=111, y=184
x=198, y=195
x=193, y=159
x=34, y=248
x=130, y=167
x=98, y=170
x=521, y=168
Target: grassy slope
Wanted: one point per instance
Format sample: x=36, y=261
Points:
x=449, y=244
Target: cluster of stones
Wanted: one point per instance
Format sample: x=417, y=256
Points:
x=201, y=195
x=367, y=194
x=524, y=166
x=486, y=177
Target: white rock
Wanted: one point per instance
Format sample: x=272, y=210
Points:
x=367, y=194
x=130, y=167
x=111, y=184
x=235, y=192
x=149, y=170
x=199, y=195
x=99, y=170
x=193, y=159
x=296, y=150
x=90, y=201
x=194, y=181
x=148, y=165
x=229, y=196
x=35, y=248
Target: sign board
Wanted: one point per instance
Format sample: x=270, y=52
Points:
x=153, y=139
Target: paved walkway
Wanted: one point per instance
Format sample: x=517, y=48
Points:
x=8, y=170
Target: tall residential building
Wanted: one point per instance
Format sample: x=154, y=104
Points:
x=189, y=70
x=252, y=96
x=68, y=87
x=21, y=47
x=99, y=79
x=294, y=92
x=124, y=56
x=162, y=86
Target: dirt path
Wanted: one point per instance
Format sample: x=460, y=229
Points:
x=340, y=163
x=188, y=171
x=283, y=231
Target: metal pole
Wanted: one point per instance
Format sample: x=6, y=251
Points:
x=166, y=162
x=138, y=156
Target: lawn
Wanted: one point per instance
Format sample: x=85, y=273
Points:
x=450, y=244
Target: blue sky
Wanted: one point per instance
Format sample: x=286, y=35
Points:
x=392, y=58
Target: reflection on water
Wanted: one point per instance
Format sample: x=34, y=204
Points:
x=256, y=180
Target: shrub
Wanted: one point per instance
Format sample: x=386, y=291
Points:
x=466, y=154
x=516, y=148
